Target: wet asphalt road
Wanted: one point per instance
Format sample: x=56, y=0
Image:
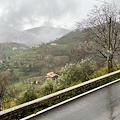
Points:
x=103, y=104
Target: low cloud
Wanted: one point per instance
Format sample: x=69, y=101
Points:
x=23, y=14
x=18, y=13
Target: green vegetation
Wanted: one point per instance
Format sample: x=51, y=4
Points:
x=76, y=57
x=10, y=49
x=75, y=73
x=27, y=96
x=26, y=68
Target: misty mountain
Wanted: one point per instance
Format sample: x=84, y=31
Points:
x=31, y=37
x=9, y=34
x=46, y=34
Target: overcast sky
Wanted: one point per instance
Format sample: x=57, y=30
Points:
x=24, y=14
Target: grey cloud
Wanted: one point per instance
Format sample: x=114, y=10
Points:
x=21, y=13
x=115, y=1
x=17, y=13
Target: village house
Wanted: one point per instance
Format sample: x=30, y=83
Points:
x=1, y=61
x=51, y=75
x=53, y=43
x=14, y=48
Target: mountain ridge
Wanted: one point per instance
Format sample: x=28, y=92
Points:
x=31, y=37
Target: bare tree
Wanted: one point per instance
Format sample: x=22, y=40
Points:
x=96, y=28
x=79, y=53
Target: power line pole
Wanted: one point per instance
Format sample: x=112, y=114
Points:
x=109, y=46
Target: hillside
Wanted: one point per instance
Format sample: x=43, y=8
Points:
x=74, y=36
x=9, y=49
x=29, y=69
x=47, y=57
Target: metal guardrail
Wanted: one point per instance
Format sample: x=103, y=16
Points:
x=27, y=108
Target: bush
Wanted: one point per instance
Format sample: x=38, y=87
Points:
x=47, y=87
x=99, y=73
x=74, y=73
x=27, y=96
